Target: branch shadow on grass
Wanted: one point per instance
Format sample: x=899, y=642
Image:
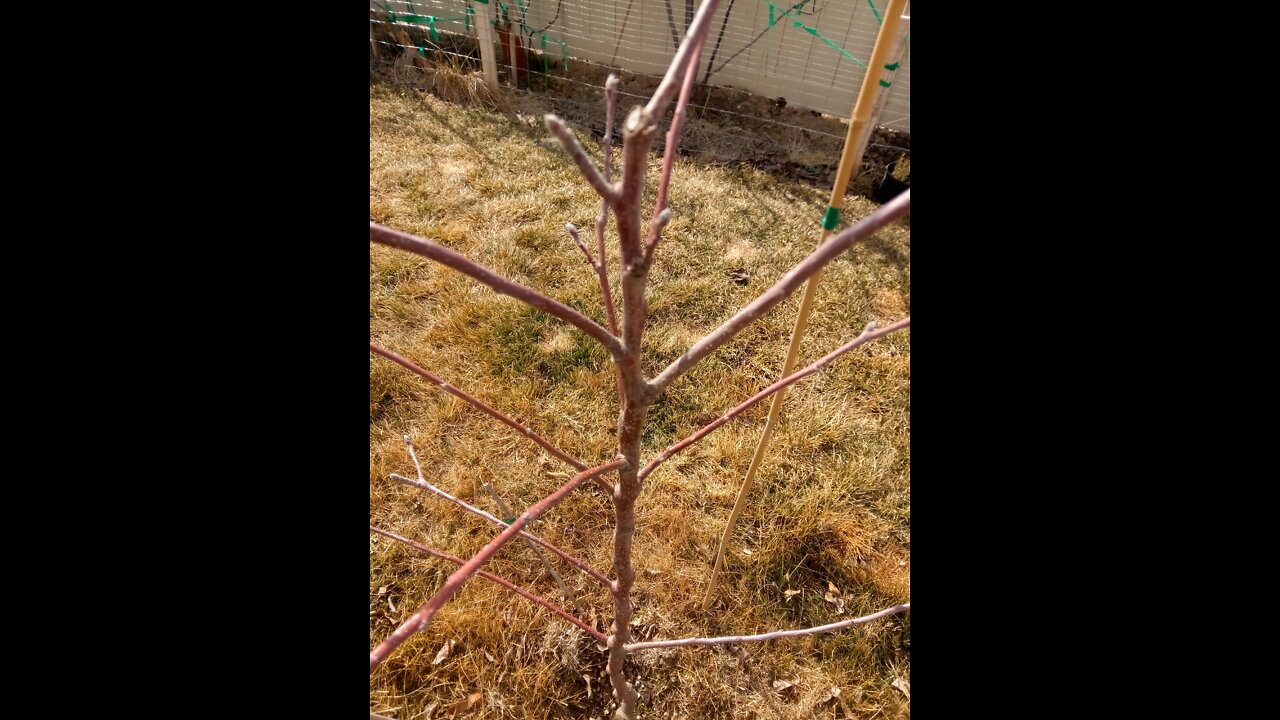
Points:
x=458, y=132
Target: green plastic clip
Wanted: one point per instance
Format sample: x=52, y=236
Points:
x=831, y=219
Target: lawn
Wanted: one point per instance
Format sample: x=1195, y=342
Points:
x=830, y=516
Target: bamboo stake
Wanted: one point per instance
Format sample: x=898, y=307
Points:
x=882, y=99
x=850, y=159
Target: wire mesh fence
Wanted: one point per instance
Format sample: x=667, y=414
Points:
x=776, y=82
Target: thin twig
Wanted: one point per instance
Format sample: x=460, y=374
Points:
x=422, y=619
x=601, y=273
x=494, y=578
x=585, y=165
x=455, y=260
x=602, y=220
x=768, y=636
x=573, y=233
x=408, y=442
x=581, y=565
x=480, y=405
x=789, y=282
x=546, y=564
x=528, y=536
x=866, y=336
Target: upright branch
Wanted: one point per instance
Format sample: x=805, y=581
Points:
x=662, y=213
x=533, y=298
x=867, y=335
x=494, y=578
x=420, y=620
x=697, y=33
x=602, y=221
x=638, y=134
x=769, y=636
x=794, y=278
x=482, y=407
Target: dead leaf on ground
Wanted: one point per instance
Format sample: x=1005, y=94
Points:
x=790, y=594
x=465, y=706
x=836, y=600
x=904, y=686
x=444, y=652
x=783, y=685
x=830, y=695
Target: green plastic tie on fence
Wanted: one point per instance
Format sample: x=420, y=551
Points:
x=470, y=11
x=821, y=37
x=510, y=520
x=873, y=9
x=831, y=219
x=431, y=23
x=884, y=84
x=774, y=20
x=564, y=51
x=892, y=67
x=524, y=12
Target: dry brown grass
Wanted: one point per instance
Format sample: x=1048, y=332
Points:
x=832, y=504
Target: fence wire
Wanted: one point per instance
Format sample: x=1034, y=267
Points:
x=768, y=76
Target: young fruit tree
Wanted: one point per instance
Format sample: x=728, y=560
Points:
x=623, y=475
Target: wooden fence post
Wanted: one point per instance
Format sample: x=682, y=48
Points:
x=484, y=32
